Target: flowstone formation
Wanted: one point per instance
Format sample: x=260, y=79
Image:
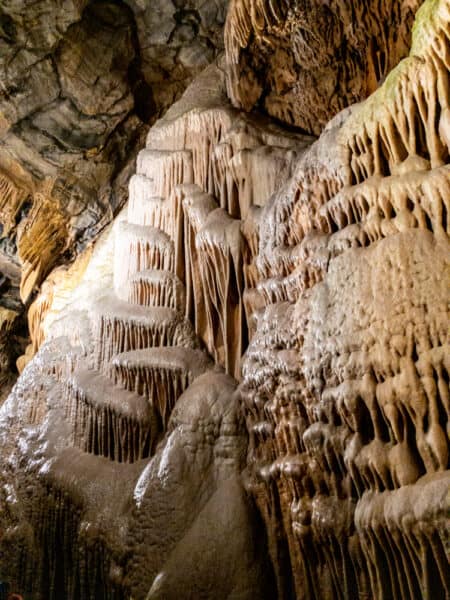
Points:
x=345, y=382
x=123, y=442
x=144, y=458
x=80, y=81
x=305, y=61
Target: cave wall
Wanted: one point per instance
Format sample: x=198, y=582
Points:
x=81, y=83
x=345, y=382
x=241, y=391
x=303, y=62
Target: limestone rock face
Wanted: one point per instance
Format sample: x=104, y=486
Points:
x=66, y=97
x=305, y=61
x=345, y=382
x=241, y=391
x=80, y=83
x=135, y=442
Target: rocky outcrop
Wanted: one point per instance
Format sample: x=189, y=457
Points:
x=345, y=385
x=305, y=61
x=130, y=393
x=81, y=82
x=138, y=441
x=67, y=105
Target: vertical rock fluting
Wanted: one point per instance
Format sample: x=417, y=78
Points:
x=305, y=61
x=137, y=432
x=345, y=384
x=124, y=445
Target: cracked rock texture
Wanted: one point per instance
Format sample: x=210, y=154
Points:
x=241, y=390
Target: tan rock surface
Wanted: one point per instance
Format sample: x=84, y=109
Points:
x=314, y=274
x=348, y=416
x=80, y=83
x=305, y=61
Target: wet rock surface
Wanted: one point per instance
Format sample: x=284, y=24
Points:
x=345, y=385
x=80, y=83
x=241, y=391
x=130, y=393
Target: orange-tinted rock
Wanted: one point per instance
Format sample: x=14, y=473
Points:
x=303, y=62
x=123, y=445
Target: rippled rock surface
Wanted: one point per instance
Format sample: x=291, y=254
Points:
x=241, y=391
x=81, y=81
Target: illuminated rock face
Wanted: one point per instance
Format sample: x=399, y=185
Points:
x=345, y=382
x=138, y=441
x=81, y=81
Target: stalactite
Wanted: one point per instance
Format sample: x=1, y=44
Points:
x=196, y=132
x=146, y=209
x=107, y=421
x=159, y=374
x=336, y=273
x=119, y=327
x=195, y=207
x=305, y=63
x=41, y=238
x=251, y=298
x=258, y=173
x=165, y=169
x=140, y=248
x=155, y=288
x=250, y=164
x=219, y=249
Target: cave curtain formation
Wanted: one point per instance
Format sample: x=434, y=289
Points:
x=236, y=383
